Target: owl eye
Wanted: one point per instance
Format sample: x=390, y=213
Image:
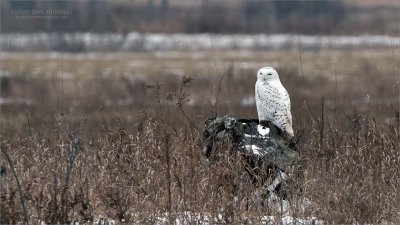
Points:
x=269, y=74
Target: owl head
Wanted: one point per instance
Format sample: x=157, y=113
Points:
x=267, y=73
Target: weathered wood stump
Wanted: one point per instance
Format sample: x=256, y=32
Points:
x=263, y=147
x=250, y=138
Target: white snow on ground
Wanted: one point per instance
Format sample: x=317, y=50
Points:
x=205, y=219
x=155, y=41
x=288, y=220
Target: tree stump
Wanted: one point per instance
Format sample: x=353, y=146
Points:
x=251, y=139
x=263, y=147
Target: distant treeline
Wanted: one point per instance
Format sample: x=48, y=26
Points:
x=307, y=17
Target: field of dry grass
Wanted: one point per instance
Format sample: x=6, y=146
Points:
x=95, y=135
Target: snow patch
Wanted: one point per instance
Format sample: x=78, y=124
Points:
x=263, y=131
x=135, y=41
x=253, y=148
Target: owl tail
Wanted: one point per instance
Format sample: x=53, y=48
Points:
x=289, y=131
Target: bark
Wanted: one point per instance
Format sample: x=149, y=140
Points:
x=245, y=137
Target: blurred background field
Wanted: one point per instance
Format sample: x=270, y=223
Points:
x=350, y=80
x=122, y=66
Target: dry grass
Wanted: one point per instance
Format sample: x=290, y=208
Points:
x=136, y=160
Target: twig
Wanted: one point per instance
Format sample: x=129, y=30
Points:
x=301, y=61
x=74, y=144
x=32, y=131
x=62, y=83
x=168, y=174
x=321, y=134
x=2, y=173
x=281, y=198
x=397, y=111
x=336, y=87
x=322, y=125
x=215, y=105
x=302, y=72
x=215, y=61
x=23, y=204
x=218, y=92
x=181, y=98
x=188, y=118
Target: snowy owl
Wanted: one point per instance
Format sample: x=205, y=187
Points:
x=272, y=100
